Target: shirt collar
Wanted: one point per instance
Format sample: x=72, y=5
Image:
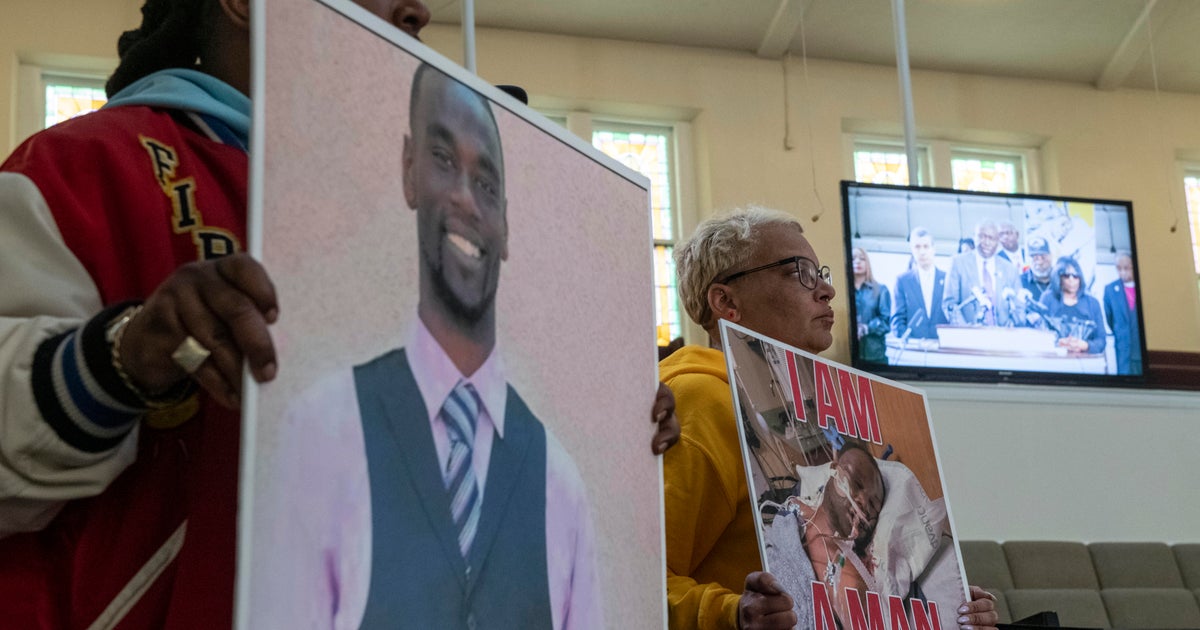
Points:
x=436, y=376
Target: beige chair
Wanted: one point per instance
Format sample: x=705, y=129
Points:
x=1135, y=565
x=1076, y=607
x=1187, y=556
x=1049, y=565
x=1151, y=608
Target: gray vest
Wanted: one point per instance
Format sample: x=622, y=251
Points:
x=418, y=577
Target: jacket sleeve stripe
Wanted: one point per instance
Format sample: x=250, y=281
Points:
x=55, y=399
x=97, y=355
x=70, y=378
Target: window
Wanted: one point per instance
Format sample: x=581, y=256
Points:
x=887, y=163
x=68, y=97
x=1191, y=187
x=52, y=88
x=661, y=151
x=986, y=172
x=881, y=160
x=648, y=150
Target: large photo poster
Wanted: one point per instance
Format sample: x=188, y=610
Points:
x=843, y=471
x=459, y=433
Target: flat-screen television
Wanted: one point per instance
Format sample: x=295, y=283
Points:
x=958, y=285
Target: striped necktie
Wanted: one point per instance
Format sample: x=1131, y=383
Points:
x=460, y=413
x=990, y=288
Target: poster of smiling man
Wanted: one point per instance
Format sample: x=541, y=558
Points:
x=842, y=466
x=459, y=433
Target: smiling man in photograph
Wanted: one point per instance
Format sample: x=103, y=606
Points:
x=461, y=470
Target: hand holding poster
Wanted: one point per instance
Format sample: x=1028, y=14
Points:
x=447, y=444
x=843, y=472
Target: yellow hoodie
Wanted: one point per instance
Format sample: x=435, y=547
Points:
x=711, y=543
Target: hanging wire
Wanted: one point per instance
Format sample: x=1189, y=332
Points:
x=1158, y=105
x=787, y=108
x=812, y=153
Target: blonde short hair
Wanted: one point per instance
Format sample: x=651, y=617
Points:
x=718, y=246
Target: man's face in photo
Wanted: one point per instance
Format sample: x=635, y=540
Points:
x=857, y=495
x=986, y=240
x=1009, y=237
x=1125, y=269
x=1041, y=265
x=454, y=179
x=922, y=250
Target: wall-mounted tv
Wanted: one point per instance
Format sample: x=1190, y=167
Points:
x=958, y=285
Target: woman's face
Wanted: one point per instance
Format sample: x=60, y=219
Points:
x=859, y=259
x=1070, y=282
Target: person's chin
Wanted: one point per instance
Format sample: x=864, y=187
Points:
x=465, y=298
x=820, y=340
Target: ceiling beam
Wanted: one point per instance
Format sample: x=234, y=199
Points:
x=783, y=28
x=1128, y=53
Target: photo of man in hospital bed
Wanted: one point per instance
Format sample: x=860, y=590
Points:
x=853, y=523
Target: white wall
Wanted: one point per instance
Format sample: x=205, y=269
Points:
x=1053, y=463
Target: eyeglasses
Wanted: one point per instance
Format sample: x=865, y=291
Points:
x=1070, y=275
x=807, y=270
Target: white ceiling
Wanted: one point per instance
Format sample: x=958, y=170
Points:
x=1105, y=43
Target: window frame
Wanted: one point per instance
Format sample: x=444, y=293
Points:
x=681, y=174
x=72, y=79
x=600, y=124
x=925, y=172
x=33, y=72
x=1186, y=170
x=937, y=154
x=1020, y=173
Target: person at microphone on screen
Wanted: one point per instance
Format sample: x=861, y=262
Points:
x=918, y=301
x=1080, y=321
x=976, y=285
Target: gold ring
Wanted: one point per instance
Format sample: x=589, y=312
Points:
x=190, y=355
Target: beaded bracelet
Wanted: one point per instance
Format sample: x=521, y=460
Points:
x=115, y=333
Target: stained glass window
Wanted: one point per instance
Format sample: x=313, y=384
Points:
x=985, y=173
x=65, y=101
x=647, y=154
x=1191, y=186
x=667, y=325
x=885, y=164
x=647, y=150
